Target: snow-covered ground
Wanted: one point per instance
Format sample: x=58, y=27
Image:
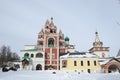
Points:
x=59, y=75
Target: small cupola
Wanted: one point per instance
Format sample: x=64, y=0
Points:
x=97, y=42
x=67, y=39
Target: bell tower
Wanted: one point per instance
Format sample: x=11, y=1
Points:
x=48, y=41
x=98, y=49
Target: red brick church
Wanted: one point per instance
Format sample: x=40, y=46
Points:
x=50, y=45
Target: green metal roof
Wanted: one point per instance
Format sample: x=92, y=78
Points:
x=26, y=57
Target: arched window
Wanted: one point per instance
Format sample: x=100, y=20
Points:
x=50, y=42
x=32, y=55
x=26, y=54
x=39, y=55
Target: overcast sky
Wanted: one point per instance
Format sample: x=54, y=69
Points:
x=21, y=20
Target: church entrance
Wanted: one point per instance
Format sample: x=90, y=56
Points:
x=113, y=69
x=39, y=67
x=111, y=66
x=25, y=63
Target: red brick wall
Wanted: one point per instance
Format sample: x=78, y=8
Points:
x=54, y=51
x=47, y=51
x=62, y=50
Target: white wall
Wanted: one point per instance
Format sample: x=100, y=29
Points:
x=99, y=53
x=35, y=60
x=26, y=47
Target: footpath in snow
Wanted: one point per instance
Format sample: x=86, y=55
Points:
x=55, y=75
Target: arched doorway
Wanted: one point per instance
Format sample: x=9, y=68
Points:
x=113, y=69
x=39, y=67
x=25, y=62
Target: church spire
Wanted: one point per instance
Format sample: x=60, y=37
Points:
x=97, y=37
x=60, y=32
x=51, y=18
x=97, y=42
x=47, y=23
x=98, y=49
x=51, y=23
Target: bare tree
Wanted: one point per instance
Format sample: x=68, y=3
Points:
x=6, y=55
x=3, y=54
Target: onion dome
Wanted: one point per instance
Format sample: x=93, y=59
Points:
x=51, y=23
x=67, y=39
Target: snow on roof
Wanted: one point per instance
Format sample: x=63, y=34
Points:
x=79, y=55
x=108, y=60
x=105, y=61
